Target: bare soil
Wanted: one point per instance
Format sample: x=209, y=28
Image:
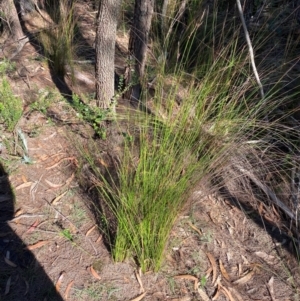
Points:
x=51, y=247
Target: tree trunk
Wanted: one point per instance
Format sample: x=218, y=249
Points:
x=138, y=43
x=107, y=18
x=9, y=16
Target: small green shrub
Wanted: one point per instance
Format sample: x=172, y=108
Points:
x=10, y=106
x=6, y=66
x=44, y=100
x=93, y=115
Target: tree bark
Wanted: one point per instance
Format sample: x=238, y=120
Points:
x=107, y=18
x=138, y=43
x=9, y=16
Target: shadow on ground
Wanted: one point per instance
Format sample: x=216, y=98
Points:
x=22, y=278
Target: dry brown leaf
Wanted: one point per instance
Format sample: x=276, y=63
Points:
x=18, y=212
x=240, y=270
x=217, y=293
x=245, y=260
x=171, y=259
x=90, y=230
x=61, y=160
x=53, y=185
x=55, y=133
x=139, y=297
x=276, y=212
x=99, y=238
x=203, y=294
x=68, y=289
x=37, y=245
x=270, y=219
x=260, y=209
x=55, y=201
x=94, y=273
x=70, y=179
x=42, y=157
x=138, y=277
x=235, y=293
x=7, y=286
x=102, y=162
x=24, y=179
x=214, y=266
x=245, y=278
x=270, y=286
x=208, y=272
x=218, y=280
x=189, y=277
x=59, y=281
x=73, y=229
x=229, y=256
x=227, y=293
x=223, y=270
x=32, y=227
x=24, y=185
x=194, y=228
x=9, y=262
x=267, y=258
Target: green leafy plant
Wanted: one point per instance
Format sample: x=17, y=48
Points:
x=44, y=100
x=93, y=115
x=10, y=106
x=6, y=66
x=67, y=234
x=96, y=291
x=203, y=281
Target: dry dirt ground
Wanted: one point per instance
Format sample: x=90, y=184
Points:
x=51, y=247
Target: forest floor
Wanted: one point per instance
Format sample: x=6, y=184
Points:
x=216, y=248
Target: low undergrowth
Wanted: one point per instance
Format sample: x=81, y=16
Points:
x=11, y=107
x=165, y=158
x=219, y=127
x=57, y=38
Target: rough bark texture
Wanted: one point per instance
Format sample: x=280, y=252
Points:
x=26, y=6
x=9, y=15
x=105, y=50
x=139, y=35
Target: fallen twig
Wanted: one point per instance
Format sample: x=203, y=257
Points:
x=250, y=49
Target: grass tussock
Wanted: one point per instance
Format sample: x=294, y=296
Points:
x=57, y=38
x=220, y=128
